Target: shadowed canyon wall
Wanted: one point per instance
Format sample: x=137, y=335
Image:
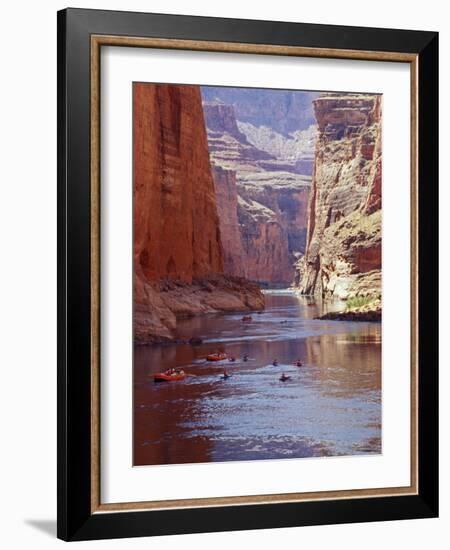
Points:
x=343, y=250
x=178, y=253
x=227, y=206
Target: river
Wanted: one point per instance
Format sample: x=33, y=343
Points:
x=330, y=406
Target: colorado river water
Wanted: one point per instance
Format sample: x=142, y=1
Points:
x=330, y=406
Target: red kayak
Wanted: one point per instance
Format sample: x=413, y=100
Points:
x=216, y=357
x=163, y=377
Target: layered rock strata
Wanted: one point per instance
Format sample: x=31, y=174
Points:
x=271, y=199
x=178, y=253
x=297, y=148
x=343, y=250
x=284, y=111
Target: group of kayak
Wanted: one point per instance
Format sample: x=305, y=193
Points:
x=179, y=374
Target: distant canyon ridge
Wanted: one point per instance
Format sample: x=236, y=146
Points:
x=261, y=146
x=237, y=189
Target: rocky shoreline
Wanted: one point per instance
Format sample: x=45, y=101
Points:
x=371, y=312
x=162, y=304
x=367, y=316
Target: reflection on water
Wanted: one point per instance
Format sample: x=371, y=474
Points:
x=330, y=406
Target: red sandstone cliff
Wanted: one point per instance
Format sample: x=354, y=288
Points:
x=343, y=251
x=175, y=218
x=177, y=241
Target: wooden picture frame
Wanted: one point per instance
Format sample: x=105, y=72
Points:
x=81, y=35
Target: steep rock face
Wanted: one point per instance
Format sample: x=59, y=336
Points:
x=265, y=243
x=178, y=254
x=220, y=118
x=273, y=222
x=343, y=251
x=227, y=207
x=272, y=201
x=294, y=205
x=226, y=142
x=176, y=231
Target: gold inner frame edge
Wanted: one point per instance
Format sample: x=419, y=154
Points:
x=97, y=41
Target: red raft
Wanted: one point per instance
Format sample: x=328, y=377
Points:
x=216, y=356
x=163, y=377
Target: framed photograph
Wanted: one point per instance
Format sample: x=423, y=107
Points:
x=247, y=255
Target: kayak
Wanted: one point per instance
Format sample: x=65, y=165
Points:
x=216, y=357
x=162, y=377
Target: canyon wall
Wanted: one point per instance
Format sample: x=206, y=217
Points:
x=175, y=218
x=178, y=253
x=265, y=241
x=270, y=197
x=343, y=250
x=227, y=207
x=273, y=220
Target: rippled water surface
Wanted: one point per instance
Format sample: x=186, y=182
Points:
x=330, y=406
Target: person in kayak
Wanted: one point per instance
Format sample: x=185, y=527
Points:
x=226, y=375
x=245, y=358
x=298, y=363
x=283, y=377
x=232, y=359
x=275, y=362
